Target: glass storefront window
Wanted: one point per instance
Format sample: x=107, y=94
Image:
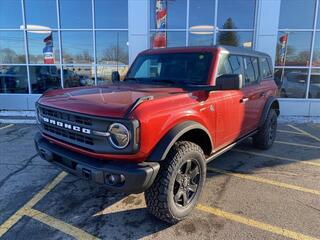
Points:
x=43, y=13
x=176, y=14
x=234, y=38
x=112, y=47
x=104, y=72
x=12, y=47
x=236, y=14
x=292, y=83
x=201, y=39
x=43, y=47
x=173, y=39
x=10, y=14
x=77, y=46
x=201, y=13
x=297, y=51
x=314, y=91
x=318, y=20
x=111, y=13
x=297, y=14
x=316, y=51
x=76, y=14
x=43, y=78
x=76, y=76
x=13, y=79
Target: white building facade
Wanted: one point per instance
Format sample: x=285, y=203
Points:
x=68, y=43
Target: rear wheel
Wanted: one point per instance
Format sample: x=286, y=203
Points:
x=178, y=184
x=267, y=133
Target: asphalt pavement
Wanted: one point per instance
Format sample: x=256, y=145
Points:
x=249, y=194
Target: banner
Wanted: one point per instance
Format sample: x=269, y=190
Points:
x=283, y=49
x=48, y=50
x=160, y=37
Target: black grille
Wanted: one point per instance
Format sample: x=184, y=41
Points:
x=65, y=116
x=67, y=134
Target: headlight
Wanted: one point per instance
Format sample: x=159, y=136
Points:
x=119, y=135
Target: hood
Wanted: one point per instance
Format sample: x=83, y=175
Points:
x=112, y=100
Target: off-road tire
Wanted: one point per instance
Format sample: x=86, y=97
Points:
x=266, y=135
x=160, y=197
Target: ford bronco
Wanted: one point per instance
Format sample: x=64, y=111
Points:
x=154, y=132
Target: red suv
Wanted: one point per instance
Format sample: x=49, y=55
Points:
x=155, y=131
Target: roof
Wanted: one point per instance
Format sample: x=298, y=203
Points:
x=229, y=49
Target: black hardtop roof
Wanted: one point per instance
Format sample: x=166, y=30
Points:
x=229, y=49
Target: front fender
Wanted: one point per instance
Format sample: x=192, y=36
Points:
x=166, y=143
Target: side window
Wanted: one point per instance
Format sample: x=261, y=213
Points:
x=231, y=64
x=235, y=63
x=265, y=68
x=251, y=70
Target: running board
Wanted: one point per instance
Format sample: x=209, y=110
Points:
x=227, y=148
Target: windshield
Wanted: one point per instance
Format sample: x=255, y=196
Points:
x=186, y=68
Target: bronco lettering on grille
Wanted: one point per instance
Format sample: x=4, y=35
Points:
x=66, y=125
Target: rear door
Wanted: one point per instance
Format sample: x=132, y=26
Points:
x=253, y=94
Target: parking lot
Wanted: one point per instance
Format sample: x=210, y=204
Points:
x=249, y=194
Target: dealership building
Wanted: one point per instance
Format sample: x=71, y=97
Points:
x=47, y=44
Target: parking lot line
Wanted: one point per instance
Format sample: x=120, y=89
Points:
x=75, y=232
x=257, y=224
x=33, y=201
x=265, y=181
x=7, y=126
x=297, y=144
x=277, y=157
x=291, y=132
x=304, y=132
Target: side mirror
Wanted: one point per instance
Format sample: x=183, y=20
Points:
x=115, y=76
x=229, y=82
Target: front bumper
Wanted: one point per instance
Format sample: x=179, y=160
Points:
x=136, y=177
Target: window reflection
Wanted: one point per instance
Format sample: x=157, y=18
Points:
x=76, y=14
x=173, y=39
x=77, y=46
x=43, y=47
x=201, y=12
x=292, y=83
x=104, y=72
x=112, y=47
x=10, y=14
x=297, y=14
x=316, y=51
x=234, y=38
x=13, y=79
x=236, y=14
x=315, y=84
x=39, y=12
x=293, y=48
x=43, y=78
x=176, y=14
x=12, y=47
x=111, y=13
x=76, y=76
x=201, y=39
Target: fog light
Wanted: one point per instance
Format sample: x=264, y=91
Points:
x=114, y=179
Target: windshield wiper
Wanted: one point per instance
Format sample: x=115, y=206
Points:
x=167, y=81
x=131, y=79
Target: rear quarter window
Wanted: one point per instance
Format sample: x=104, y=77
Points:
x=266, y=72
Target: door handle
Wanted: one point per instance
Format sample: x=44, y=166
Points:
x=244, y=100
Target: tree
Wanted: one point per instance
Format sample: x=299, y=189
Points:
x=228, y=38
x=115, y=53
